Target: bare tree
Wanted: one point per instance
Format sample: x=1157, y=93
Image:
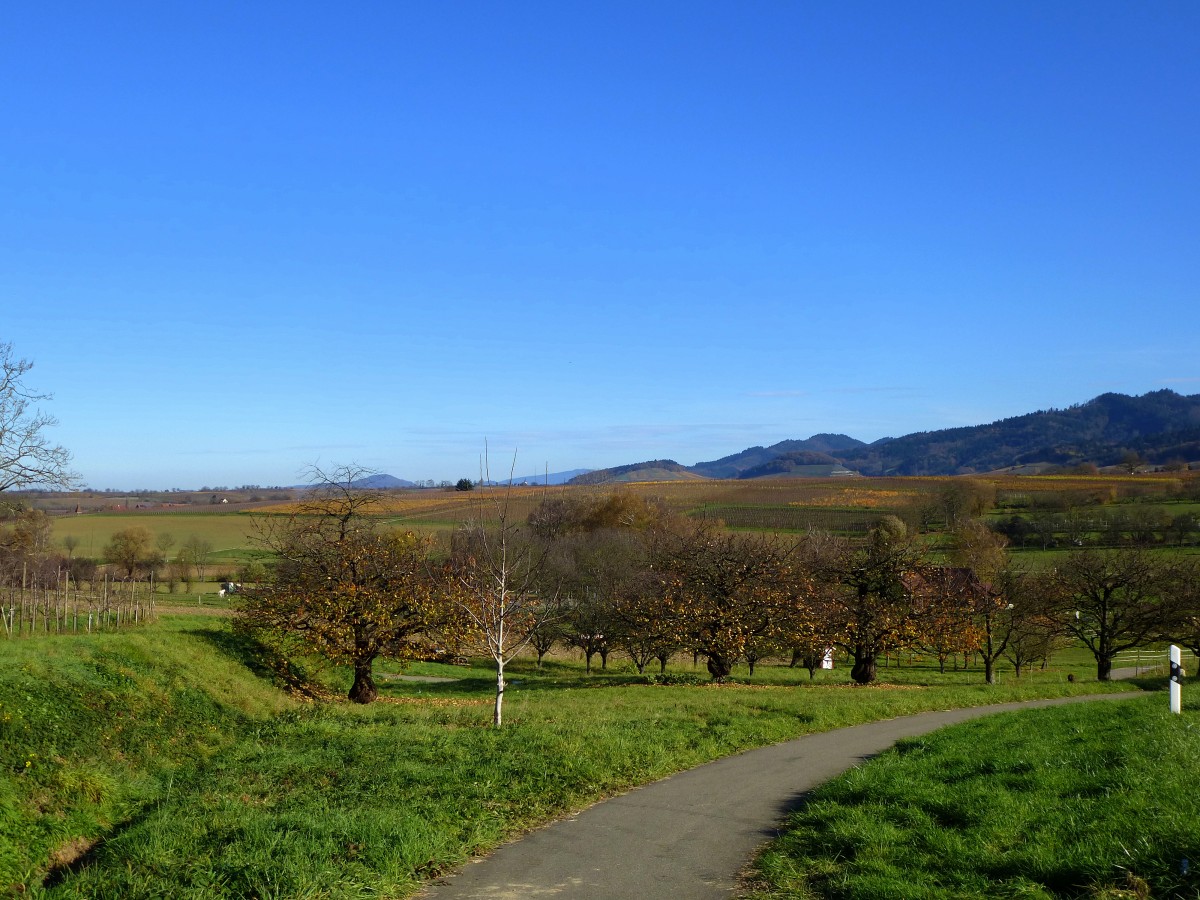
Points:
x=502, y=588
x=27, y=457
x=195, y=552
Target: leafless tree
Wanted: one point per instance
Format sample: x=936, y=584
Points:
x=27, y=456
x=502, y=585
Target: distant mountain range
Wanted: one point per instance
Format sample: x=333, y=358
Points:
x=548, y=478
x=1159, y=427
x=381, y=482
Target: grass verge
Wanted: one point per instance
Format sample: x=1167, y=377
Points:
x=1090, y=801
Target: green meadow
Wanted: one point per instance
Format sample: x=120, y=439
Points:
x=231, y=534
x=1092, y=801
x=171, y=761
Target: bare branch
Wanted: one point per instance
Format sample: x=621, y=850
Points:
x=27, y=457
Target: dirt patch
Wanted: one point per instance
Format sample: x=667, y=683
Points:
x=171, y=609
x=65, y=854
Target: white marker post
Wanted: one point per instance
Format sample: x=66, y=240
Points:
x=1176, y=681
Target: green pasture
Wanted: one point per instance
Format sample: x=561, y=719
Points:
x=1089, y=801
x=169, y=761
x=231, y=534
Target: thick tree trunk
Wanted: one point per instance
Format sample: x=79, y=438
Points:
x=989, y=670
x=363, y=690
x=662, y=662
x=863, y=671
x=719, y=667
x=1104, y=668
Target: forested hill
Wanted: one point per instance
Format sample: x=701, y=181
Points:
x=735, y=466
x=1158, y=427
x=654, y=470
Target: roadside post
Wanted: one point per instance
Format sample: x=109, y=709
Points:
x=1176, y=681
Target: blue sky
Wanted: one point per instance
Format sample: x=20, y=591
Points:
x=240, y=239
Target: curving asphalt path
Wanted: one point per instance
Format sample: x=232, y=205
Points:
x=688, y=836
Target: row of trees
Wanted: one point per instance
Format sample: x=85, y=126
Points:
x=618, y=573
x=29, y=556
x=139, y=554
x=1138, y=526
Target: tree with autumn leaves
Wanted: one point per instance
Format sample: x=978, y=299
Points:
x=348, y=589
x=730, y=595
x=869, y=593
x=626, y=573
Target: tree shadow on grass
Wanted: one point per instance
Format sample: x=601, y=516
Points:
x=263, y=661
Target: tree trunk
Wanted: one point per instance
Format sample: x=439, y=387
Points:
x=864, y=665
x=662, y=662
x=363, y=690
x=719, y=668
x=497, y=715
x=1104, y=668
x=989, y=670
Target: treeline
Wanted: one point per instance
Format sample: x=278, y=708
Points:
x=1080, y=526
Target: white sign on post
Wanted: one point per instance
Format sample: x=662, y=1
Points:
x=1176, y=681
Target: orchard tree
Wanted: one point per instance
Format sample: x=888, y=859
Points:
x=730, y=593
x=981, y=551
x=27, y=456
x=25, y=547
x=348, y=589
x=599, y=561
x=594, y=570
x=949, y=601
x=1028, y=628
x=871, y=609
x=1115, y=600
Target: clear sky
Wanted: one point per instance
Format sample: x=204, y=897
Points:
x=238, y=239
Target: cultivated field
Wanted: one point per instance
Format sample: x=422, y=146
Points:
x=792, y=504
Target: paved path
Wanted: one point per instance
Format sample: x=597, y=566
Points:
x=686, y=837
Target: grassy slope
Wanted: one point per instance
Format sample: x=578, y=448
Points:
x=93, y=728
x=1089, y=801
x=205, y=781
